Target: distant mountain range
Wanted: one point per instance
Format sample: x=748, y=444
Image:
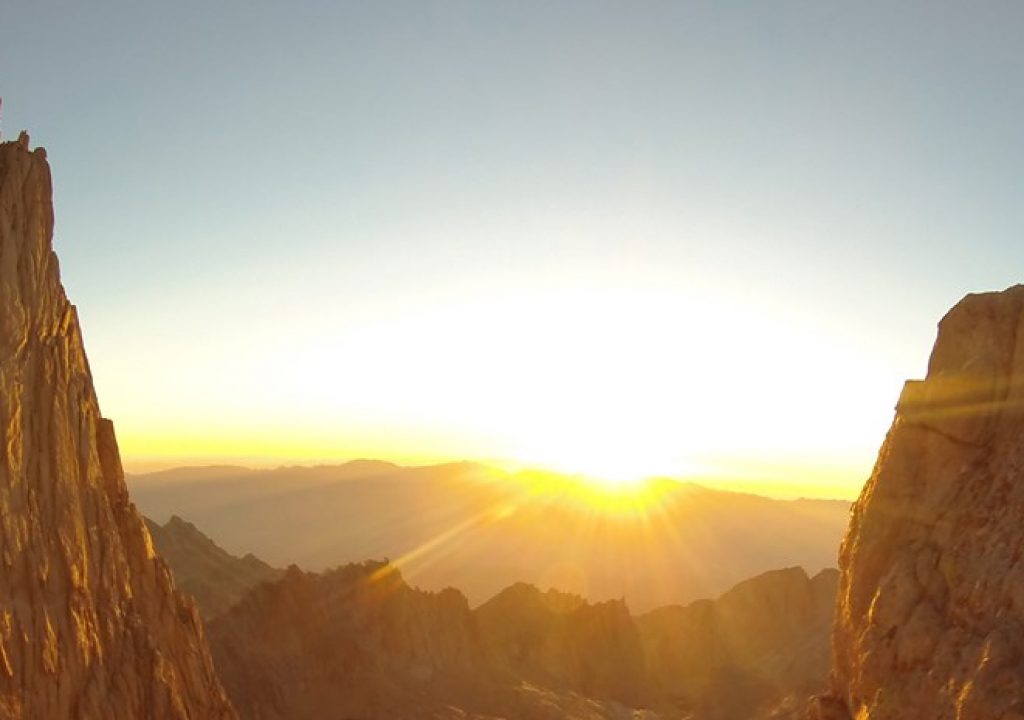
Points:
x=481, y=530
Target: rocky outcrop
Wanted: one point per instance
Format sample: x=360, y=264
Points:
x=558, y=640
x=759, y=647
x=212, y=576
x=359, y=642
x=355, y=642
x=930, y=617
x=90, y=623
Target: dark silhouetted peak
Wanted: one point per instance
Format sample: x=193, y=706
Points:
x=523, y=597
x=204, y=570
x=560, y=640
x=359, y=640
x=356, y=639
x=761, y=646
x=366, y=466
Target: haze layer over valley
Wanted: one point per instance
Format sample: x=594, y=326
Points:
x=481, y=530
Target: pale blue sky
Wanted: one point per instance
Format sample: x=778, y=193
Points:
x=236, y=180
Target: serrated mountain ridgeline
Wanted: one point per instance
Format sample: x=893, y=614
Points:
x=204, y=570
x=361, y=641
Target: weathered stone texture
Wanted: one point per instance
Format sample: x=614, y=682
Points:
x=90, y=623
x=930, y=616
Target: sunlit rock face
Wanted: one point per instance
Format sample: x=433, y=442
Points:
x=90, y=623
x=560, y=640
x=930, y=616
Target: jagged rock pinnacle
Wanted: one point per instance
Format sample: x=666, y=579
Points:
x=90, y=623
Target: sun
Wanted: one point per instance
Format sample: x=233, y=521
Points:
x=613, y=459
x=597, y=496
x=608, y=474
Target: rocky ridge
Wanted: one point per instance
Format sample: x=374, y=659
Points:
x=355, y=642
x=212, y=576
x=362, y=643
x=559, y=640
x=930, y=615
x=760, y=648
x=91, y=625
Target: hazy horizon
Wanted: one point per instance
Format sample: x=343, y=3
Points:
x=781, y=490
x=681, y=239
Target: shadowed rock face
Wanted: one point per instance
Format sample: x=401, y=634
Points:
x=213, y=577
x=558, y=640
x=357, y=642
x=90, y=623
x=930, y=616
x=760, y=648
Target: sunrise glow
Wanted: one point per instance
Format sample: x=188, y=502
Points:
x=618, y=383
x=524, y=360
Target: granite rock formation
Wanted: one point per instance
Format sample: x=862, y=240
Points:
x=355, y=642
x=930, y=615
x=358, y=642
x=214, y=578
x=759, y=649
x=91, y=625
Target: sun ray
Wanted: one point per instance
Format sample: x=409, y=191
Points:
x=422, y=551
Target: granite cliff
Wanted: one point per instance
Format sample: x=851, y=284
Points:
x=930, y=612
x=91, y=625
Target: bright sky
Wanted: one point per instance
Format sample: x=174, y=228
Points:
x=696, y=239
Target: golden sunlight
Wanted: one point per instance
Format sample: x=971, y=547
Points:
x=626, y=495
x=609, y=383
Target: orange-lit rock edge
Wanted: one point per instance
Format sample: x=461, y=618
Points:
x=91, y=625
